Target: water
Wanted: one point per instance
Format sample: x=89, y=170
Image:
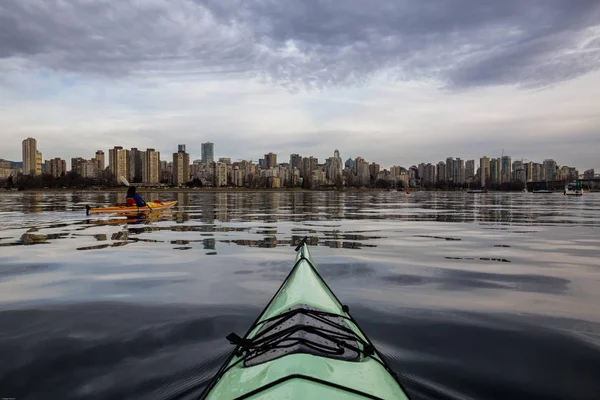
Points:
x=469, y=296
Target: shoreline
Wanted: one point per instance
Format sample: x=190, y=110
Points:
x=244, y=190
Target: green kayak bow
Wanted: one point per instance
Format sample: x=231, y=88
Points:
x=304, y=345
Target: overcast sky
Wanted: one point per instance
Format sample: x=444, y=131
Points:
x=394, y=81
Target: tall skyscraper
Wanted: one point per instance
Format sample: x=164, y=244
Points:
x=484, y=168
x=441, y=171
x=181, y=166
x=470, y=170
x=450, y=170
x=38, y=163
x=529, y=171
x=100, y=160
x=29, y=154
x=270, y=160
x=150, y=166
x=309, y=164
x=117, y=161
x=349, y=163
x=495, y=171
x=459, y=171
x=135, y=159
x=549, y=169
x=518, y=172
x=208, y=153
x=295, y=161
x=505, y=169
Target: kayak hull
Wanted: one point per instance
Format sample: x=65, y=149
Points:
x=128, y=210
x=301, y=375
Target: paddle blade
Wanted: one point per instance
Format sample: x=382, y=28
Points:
x=123, y=180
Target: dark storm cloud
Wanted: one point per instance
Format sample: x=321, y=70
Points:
x=311, y=43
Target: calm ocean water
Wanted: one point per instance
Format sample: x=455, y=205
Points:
x=469, y=296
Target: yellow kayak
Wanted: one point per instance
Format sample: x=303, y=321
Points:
x=131, y=210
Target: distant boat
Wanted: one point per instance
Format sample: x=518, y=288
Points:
x=573, y=189
x=475, y=191
x=542, y=191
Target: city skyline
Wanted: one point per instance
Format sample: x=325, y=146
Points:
x=305, y=78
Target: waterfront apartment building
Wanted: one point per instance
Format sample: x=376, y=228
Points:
x=495, y=171
x=181, y=167
x=135, y=159
x=505, y=169
x=38, y=163
x=220, y=174
x=56, y=167
x=208, y=153
x=29, y=156
x=529, y=171
x=100, y=162
x=549, y=169
x=484, y=170
x=441, y=172
x=470, y=170
x=151, y=167
x=295, y=161
x=459, y=171
x=270, y=160
x=117, y=161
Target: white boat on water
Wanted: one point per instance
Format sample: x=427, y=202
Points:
x=573, y=189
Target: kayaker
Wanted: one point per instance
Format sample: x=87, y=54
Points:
x=134, y=199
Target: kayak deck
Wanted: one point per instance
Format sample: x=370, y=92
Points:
x=131, y=210
x=304, y=345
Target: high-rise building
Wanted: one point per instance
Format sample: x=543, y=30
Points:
x=220, y=174
x=29, y=156
x=505, y=169
x=76, y=165
x=333, y=168
x=538, y=174
x=309, y=164
x=441, y=171
x=484, y=170
x=100, y=160
x=495, y=171
x=181, y=167
x=429, y=175
x=151, y=166
x=135, y=159
x=550, y=169
x=349, y=163
x=361, y=168
x=56, y=167
x=208, y=153
x=529, y=171
x=270, y=160
x=38, y=163
x=225, y=160
x=470, y=170
x=450, y=170
x=519, y=174
x=295, y=161
x=84, y=168
x=117, y=161
x=374, y=169
x=181, y=147
x=459, y=171
x=336, y=153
